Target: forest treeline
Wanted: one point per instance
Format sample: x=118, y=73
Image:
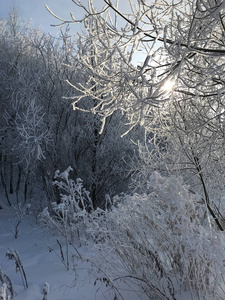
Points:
x=39, y=130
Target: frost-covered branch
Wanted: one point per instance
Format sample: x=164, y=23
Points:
x=139, y=48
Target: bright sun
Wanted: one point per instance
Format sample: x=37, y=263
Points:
x=168, y=85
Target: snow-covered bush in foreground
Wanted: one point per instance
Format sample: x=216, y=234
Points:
x=161, y=243
x=74, y=215
x=69, y=215
x=75, y=203
x=157, y=240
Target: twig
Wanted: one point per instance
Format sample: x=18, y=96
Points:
x=13, y=254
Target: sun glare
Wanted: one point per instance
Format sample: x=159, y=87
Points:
x=168, y=85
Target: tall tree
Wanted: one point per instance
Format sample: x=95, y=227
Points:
x=178, y=87
x=175, y=38
x=40, y=132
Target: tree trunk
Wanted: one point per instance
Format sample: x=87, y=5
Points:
x=18, y=183
x=5, y=188
x=11, y=179
x=199, y=169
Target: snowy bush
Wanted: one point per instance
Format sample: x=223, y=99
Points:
x=6, y=289
x=157, y=240
x=75, y=203
x=162, y=245
x=22, y=211
x=73, y=194
x=69, y=215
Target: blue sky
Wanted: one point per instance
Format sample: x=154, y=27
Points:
x=35, y=10
x=40, y=17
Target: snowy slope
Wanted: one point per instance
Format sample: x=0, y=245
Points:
x=40, y=256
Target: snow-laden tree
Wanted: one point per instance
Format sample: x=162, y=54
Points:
x=186, y=137
x=176, y=90
x=171, y=38
x=104, y=144
x=14, y=47
x=40, y=132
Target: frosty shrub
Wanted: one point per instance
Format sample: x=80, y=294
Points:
x=70, y=215
x=14, y=255
x=6, y=289
x=72, y=193
x=161, y=243
x=75, y=203
x=157, y=239
x=22, y=211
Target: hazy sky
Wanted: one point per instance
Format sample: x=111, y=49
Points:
x=35, y=10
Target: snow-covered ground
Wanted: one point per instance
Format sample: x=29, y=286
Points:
x=40, y=255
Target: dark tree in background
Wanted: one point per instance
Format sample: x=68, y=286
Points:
x=40, y=132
